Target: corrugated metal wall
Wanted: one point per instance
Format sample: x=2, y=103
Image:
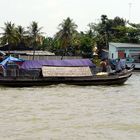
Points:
x=43, y=57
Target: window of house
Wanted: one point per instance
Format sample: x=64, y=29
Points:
x=124, y=55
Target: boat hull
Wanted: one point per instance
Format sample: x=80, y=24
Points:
x=91, y=80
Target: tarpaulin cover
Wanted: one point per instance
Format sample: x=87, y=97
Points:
x=35, y=64
x=10, y=59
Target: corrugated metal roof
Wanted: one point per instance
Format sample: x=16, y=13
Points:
x=124, y=45
x=27, y=52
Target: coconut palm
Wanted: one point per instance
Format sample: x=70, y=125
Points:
x=21, y=33
x=35, y=34
x=104, y=20
x=22, y=36
x=66, y=30
x=9, y=36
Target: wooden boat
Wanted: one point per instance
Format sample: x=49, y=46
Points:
x=18, y=80
x=111, y=79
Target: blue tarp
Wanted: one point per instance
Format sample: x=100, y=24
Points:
x=10, y=59
x=37, y=64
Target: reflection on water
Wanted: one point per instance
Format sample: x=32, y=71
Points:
x=61, y=112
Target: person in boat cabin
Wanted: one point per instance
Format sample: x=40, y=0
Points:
x=1, y=58
x=103, y=65
x=120, y=65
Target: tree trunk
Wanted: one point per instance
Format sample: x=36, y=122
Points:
x=34, y=47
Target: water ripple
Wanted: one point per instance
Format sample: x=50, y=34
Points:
x=69, y=112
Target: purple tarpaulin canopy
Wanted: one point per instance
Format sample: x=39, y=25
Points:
x=35, y=64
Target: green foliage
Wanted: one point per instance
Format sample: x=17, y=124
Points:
x=86, y=45
x=68, y=41
x=115, y=30
x=9, y=36
x=65, y=34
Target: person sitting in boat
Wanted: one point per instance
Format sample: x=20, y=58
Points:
x=1, y=58
x=120, y=65
x=103, y=65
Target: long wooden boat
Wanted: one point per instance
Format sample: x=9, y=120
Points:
x=111, y=79
x=47, y=72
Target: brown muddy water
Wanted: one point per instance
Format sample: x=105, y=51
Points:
x=64, y=112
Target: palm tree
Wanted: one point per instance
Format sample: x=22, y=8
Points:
x=35, y=34
x=21, y=32
x=66, y=30
x=9, y=36
x=22, y=36
x=104, y=20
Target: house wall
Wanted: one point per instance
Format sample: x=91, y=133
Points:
x=134, y=53
x=113, y=53
x=130, y=52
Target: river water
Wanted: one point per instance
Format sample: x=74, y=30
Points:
x=64, y=112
